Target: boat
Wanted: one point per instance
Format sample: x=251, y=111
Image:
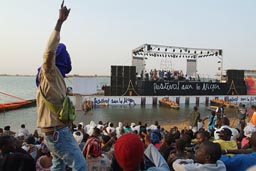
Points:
x=168, y=103
x=16, y=105
x=218, y=102
x=212, y=108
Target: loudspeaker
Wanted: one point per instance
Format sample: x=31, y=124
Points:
x=120, y=78
x=235, y=75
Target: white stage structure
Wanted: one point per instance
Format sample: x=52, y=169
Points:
x=143, y=52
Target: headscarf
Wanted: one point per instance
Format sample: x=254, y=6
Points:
x=62, y=61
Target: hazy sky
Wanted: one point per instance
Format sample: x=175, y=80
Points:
x=101, y=33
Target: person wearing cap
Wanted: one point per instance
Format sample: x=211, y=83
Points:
x=241, y=161
x=225, y=124
x=129, y=152
x=50, y=81
x=207, y=158
x=7, y=131
x=225, y=140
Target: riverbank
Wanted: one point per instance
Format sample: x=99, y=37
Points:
x=185, y=124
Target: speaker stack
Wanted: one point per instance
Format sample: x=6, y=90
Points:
x=237, y=76
x=120, y=78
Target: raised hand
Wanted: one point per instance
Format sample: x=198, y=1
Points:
x=63, y=12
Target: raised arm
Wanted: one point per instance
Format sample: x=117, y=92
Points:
x=63, y=15
x=49, y=60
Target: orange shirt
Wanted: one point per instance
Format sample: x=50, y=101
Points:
x=253, y=119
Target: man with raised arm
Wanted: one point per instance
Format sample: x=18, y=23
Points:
x=51, y=84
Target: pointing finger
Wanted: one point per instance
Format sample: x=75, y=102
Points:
x=62, y=3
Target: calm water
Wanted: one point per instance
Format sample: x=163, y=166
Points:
x=24, y=87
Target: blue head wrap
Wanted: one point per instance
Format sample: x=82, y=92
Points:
x=62, y=61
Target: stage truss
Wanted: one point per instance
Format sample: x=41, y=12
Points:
x=145, y=51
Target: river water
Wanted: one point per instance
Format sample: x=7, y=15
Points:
x=24, y=87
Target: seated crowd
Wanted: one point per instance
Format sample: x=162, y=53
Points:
x=133, y=147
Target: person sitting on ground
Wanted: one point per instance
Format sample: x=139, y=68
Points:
x=119, y=129
x=78, y=135
x=13, y=157
x=44, y=159
x=30, y=147
x=206, y=158
x=225, y=124
x=110, y=129
x=166, y=146
x=7, y=131
x=137, y=127
x=21, y=138
x=89, y=128
x=100, y=125
x=201, y=136
x=80, y=128
x=241, y=161
x=37, y=137
x=225, y=140
x=92, y=152
x=24, y=130
x=127, y=128
x=179, y=152
x=129, y=152
x=242, y=112
x=153, y=126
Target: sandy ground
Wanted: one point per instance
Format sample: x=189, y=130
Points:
x=182, y=125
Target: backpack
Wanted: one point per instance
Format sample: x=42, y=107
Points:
x=92, y=148
x=65, y=112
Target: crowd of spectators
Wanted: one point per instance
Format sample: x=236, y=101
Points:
x=131, y=146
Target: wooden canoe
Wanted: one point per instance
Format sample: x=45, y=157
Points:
x=170, y=104
x=16, y=105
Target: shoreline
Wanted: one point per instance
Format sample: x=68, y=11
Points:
x=185, y=124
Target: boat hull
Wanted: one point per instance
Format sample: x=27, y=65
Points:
x=17, y=105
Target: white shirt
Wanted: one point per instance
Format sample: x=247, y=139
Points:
x=191, y=166
x=234, y=131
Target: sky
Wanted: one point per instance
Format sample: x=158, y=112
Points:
x=101, y=33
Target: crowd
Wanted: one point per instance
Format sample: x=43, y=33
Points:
x=128, y=146
x=141, y=146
